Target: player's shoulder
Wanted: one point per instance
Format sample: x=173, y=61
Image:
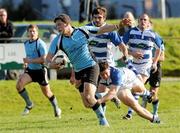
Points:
x=39, y=40
x=90, y=24
x=133, y=30
x=26, y=42
x=114, y=71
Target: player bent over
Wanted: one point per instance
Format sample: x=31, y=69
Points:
x=121, y=80
x=35, y=71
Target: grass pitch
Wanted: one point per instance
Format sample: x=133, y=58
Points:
x=76, y=118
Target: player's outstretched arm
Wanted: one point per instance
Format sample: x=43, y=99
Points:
x=111, y=93
x=107, y=28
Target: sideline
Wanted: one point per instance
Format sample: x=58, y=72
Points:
x=170, y=78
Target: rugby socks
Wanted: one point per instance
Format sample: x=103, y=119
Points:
x=25, y=96
x=145, y=94
x=99, y=95
x=155, y=105
x=97, y=108
x=103, y=107
x=54, y=102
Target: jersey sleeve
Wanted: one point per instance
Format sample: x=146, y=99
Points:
x=53, y=45
x=90, y=29
x=162, y=43
x=116, y=78
x=43, y=48
x=126, y=37
x=157, y=41
x=115, y=38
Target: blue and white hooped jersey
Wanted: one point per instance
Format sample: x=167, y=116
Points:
x=33, y=49
x=101, y=45
x=116, y=76
x=76, y=47
x=162, y=44
x=142, y=41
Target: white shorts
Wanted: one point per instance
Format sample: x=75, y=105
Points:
x=129, y=80
x=143, y=69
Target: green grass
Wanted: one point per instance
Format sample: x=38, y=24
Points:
x=76, y=118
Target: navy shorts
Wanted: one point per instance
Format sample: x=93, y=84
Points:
x=39, y=75
x=155, y=78
x=89, y=75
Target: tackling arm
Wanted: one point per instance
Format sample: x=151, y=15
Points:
x=111, y=93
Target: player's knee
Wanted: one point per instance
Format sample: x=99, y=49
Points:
x=86, y=104
x=19, y=85
x=89, y=99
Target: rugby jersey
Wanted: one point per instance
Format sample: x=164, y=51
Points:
x=35, y=49
x=142, y=41
x=101, y=45
x=116, y=76
x=76, y=47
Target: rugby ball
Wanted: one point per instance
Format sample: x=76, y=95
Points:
x=60, y=59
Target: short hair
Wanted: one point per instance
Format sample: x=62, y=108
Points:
x=145, y=14
x=32, y=26
x=103, y=65
x=3, y=10
x=100, y=10
x=64, y=18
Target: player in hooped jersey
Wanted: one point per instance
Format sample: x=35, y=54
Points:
x=121, y=82
x=102, y=46
x=141, y=40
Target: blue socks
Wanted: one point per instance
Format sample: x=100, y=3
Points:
x=54, y=102
x=100, y=114
x=100, y=95
x=25, y=96
x=155, y=105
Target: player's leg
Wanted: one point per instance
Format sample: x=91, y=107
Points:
x=89, y=94
x=127, y=98
x=155, y=100
x=90, y=83
x=23, y=80
x=144, y=71
x=49, y=94
x=42, y=79
x=155, y=84
x=101, y=91
x=133, y=81
x=128, y=116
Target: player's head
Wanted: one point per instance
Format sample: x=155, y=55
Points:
x=104, y=69
x=99, y=16
x=144, y=21
x=62, y=22
x=32, y=31
x=128, y=15
x=3, y=15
